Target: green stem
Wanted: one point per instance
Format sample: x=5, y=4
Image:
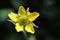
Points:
x=25, y=33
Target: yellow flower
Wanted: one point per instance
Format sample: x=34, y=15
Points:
x=23, y=20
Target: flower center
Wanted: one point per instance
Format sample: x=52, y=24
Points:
x=23, y=20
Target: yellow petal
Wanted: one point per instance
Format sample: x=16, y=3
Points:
x=32, y=16
x=30, y=28
x=18, y=27
x=21, y=11
x=13, y=16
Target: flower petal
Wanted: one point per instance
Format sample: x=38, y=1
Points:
x=29, y=28
x=32, y=16
x=18, y=27
x=21, y=11
x=13, y=16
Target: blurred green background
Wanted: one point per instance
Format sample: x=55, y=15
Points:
x=48, y=21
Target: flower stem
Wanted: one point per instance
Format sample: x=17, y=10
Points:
x=25, y=33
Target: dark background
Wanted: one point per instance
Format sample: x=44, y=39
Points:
x=48, y=21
